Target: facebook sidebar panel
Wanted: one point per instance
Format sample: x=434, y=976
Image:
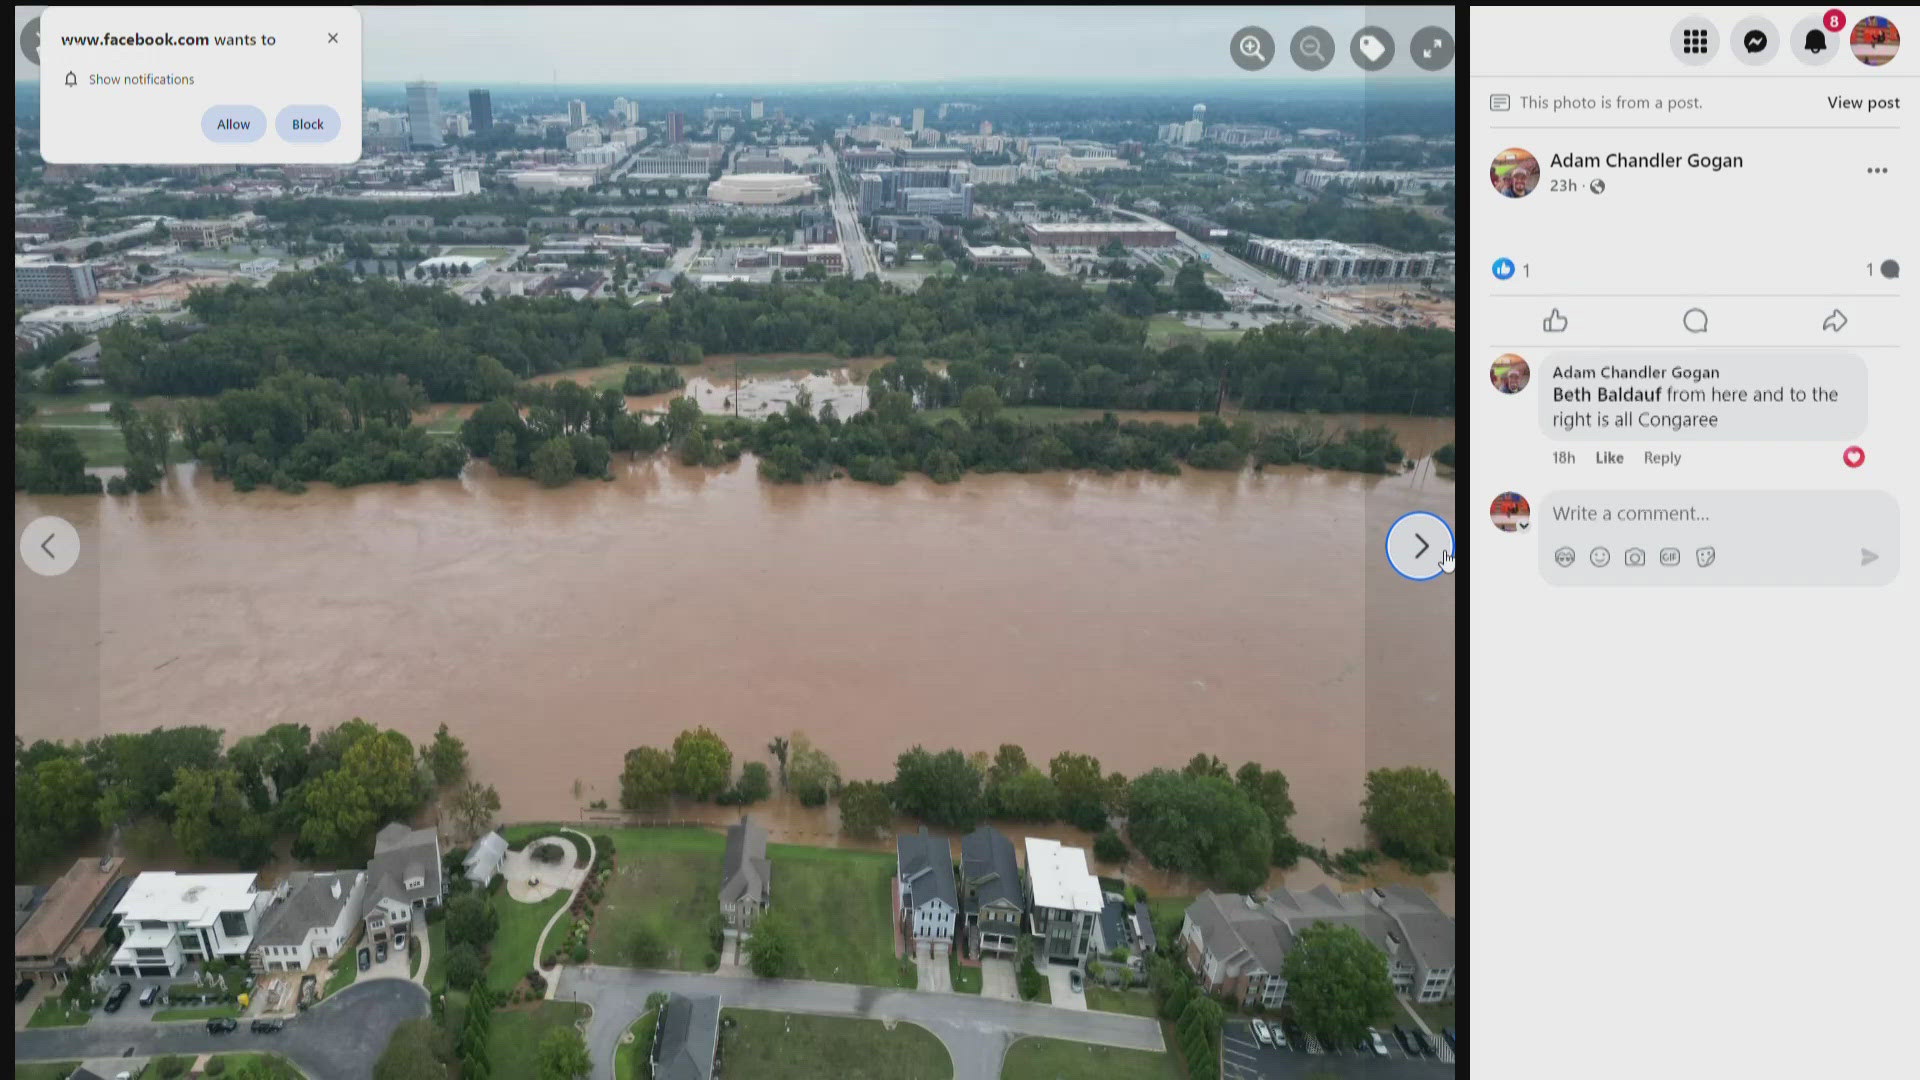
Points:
x=1694, y=617
x=562, y=542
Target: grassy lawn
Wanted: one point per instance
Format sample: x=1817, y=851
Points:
x=447, y=423
x=669, y=878
x=512, y=956
x=515, y=1044
x=1163, y=330
x=839, y=900
x=345, y=970
x=1168, y=912
x=55, y=1013
x=206, y=1012
x=57, y=1070
x=1131, y=1002
x=966, y=980
x=1034, y=1058
x=413, y=957
x=629, y=1061
x=794, y=1045
x=437, y=962
x=1438, y=1015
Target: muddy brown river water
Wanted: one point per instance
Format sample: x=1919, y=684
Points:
x=1138, y=618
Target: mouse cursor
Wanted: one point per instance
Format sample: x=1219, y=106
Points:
x=1446, y=562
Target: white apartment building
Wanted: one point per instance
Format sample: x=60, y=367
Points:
x=1066, y=900
x=171, y=920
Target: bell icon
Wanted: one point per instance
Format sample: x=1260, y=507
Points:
x=72, y=79
x=1816, y=41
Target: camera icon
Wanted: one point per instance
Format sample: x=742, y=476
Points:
x=1636, y=557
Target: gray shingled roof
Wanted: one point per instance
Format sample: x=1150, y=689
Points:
x=926, y=865
x=1228, y=927
x=746, y=871
x=400, y=853
x=1144, y=916
x=1428, y=930
x=684, y=1043
x=991, y=869
x=310, y=902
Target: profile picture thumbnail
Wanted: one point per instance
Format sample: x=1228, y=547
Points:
x=1511, y=512
x=1510, y=374
x=1515, y=173
x=1875, y=40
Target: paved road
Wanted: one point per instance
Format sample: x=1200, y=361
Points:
x=975, y=1030
x=1247, y=275
x=861, y=256
x=338, y=1039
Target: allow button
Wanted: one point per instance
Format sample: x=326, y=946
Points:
x=307, y=123
x=234, y=124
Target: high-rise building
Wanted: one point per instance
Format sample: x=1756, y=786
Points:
x=632, y=114
x=423, y=115
x=943, y=111
x=986, y=127
x=919, y=119
x=757, y=110
x=457, y=125
x=1191, y=131
x=466, y=182
x=480, y=103
x=1200, y=113
x=576, y=113
x=37, y=279
x=619, y=111
x=676, y=127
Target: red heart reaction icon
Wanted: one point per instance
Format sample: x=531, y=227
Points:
x=1854, y=457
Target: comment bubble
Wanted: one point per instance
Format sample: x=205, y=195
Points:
x=1701, y=396
x=1697, y=538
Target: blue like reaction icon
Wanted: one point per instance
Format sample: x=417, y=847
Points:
x=1503, y=268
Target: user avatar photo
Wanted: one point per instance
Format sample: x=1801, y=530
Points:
x=1511, y=512
x=1875, y=40
x=1510, y=374
x=1516, y=173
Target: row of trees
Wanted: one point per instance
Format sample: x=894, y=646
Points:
x=330, y=792
x=1223, y=826
x=1036, y=339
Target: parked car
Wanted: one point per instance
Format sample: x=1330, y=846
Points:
x=1453, y=1040
x=399, y=939
x=1426, y=1045
x=1297, y=1039
x=366, y=959
x=1406, y=1042
x=267, y=1027
x=21, y=989
x=1074, y=980
x=1279, y=1036
x=1379, y=1043
x=1261, y=1033
x=149, y=996
x=380, y=951
x=220, y=1025
x=119, y=996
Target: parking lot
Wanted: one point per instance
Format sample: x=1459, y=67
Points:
x=1245, y=1059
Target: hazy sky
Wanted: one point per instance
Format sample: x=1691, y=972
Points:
x=739, y=45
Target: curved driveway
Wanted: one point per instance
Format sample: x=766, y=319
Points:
x=976, y=1031
x=338, y=1039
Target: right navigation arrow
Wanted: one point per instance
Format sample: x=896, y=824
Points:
x=1867, y=556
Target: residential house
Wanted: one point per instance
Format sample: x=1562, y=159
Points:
x=404, y=877
x=171, y=920
x=483, y=861
x=312, y=918
x=929, y=901
x=1236, y=947
x=52, y=937
x=746, y=881
x=1422, y=966
x=995, y=902
x=685, y=1038
x=1065, y=898
x=1238, y=944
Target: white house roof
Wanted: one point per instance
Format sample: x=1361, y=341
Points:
x=194, y=899
x=1060, y=878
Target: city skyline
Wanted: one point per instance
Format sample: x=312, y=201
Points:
x=797, y=46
